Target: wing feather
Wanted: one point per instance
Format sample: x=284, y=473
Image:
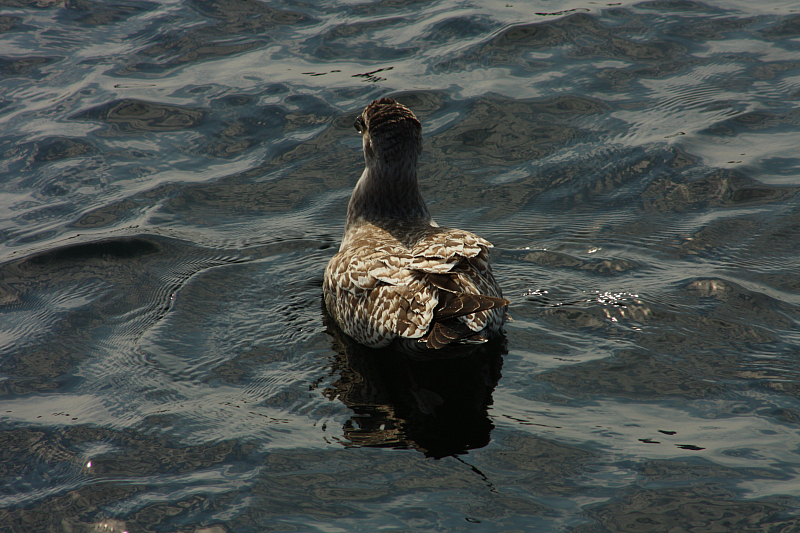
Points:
x=438, y=289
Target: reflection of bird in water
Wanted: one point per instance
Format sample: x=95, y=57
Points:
x=436, y=405
x=398, y=276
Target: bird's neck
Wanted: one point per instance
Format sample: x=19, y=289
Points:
x=387, y=193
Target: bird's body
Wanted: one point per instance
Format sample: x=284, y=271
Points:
x=398, y=277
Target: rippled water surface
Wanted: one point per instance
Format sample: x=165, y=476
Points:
x=174, y=176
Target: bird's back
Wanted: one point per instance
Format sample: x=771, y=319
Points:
x=433, y=285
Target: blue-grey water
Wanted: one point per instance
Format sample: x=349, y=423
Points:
x=174, y=176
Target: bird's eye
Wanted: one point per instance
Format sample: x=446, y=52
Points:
x=359, y=125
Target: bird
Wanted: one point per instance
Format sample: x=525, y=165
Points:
x=399, y=279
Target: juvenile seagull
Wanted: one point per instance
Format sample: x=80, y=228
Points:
x=399, y=277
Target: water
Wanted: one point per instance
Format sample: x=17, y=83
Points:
x=175, y=176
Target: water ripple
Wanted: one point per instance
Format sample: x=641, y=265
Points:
x=174, y=176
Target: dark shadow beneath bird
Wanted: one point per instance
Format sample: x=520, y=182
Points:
x=438, y=406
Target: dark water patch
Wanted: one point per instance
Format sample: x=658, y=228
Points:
x=679, y=472
x=601, y=197
x=136, y=277
x=292, y=178
x=236, y=100
x=786, y=28
x=327, y=496
x=25, y=66
x=236, y=370
x=584, y=35
x=545, y=465
x=58, y=148
x=92, y=13
x=128, y=116
x=126, y=462
x=8, y=296
x=252, y=21
x=687, y=358
x=506, y=48
x=499, y=131
x=711, y=28
x=611, y=186
x=718, y=189
x=787, y=415
x=564, y=12
x=79, y=254
x=145, y=455
x=356, y=40
x=117, y=212
x=774, y=375
x=762, y=194
x=746, y=307
x=729, y=240
x=243, y=133
x=458, y=28
x=382, y=7
x=240, y=193
x=680, y=6
x=53, y=168
x=240, y=16
x=612, y=45
x=749, y=322
x=248, y=198
x=754, y=121
x=40, y=370
x=618, y=78
x=40, y=4
x=517, y=38
x=635, y=375
x=771, y=70
x=54, y=189
x=246, y=125
x=8, y=23
x=711, y=331
x=37, y=236
x=768, y=257
x=306, y=111
x=74, y=275
x=597, y=266
x=107, y=215
x=707, y=506
x=28, y=453
x=175, y=51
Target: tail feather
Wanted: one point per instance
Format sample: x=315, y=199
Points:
x=445, y=333
x=446, y=329
x=461, y=304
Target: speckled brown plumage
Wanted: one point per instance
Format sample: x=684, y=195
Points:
x=399, y=277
